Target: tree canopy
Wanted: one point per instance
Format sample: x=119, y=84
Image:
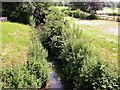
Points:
x=87, y=6
x=17, y=11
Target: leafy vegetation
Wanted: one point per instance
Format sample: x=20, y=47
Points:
x=52, y=38
x=87, y=61
x=85, y=66
x=34, y=70
x=87, y=6
x=17, y=11
x=78, y=13
x=81, y=59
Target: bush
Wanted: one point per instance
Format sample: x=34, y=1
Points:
x=37, y=62
x=82, y=66
x=18, y=77
x=92, y=16
x=79, y=14
x=30, y=75
x=67, y=11
x=76, y=13
x=52, y=38
x=84, y=15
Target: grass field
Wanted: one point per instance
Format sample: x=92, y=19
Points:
x=109, y=10
x=102, y=43
x=15, y=43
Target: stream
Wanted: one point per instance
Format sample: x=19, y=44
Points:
x=55, y=78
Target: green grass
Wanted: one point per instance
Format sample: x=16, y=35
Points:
x=104, y=44
x=15, y=43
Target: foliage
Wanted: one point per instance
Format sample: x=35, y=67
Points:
x=78, y=5
x=81, y=64
x=92, y=16
x=37, y=63
x=52, y=38
x=33, y=73
x=79, y=14
x=67, y=11
x=118, y=19
x=17, y=11
x=87, y=6
x=76, y=13
x=83, y=15
x=92, y=7
x=84, y=67
x=44, y=6
x=18, y=77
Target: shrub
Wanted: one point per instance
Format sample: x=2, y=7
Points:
x=92, y=16
x=52, y=38
x=18, y=77
x=37, y=62
x=97, y=74
x=82, y=66
x=67, y=11
x=76, y=13
x=83, y=15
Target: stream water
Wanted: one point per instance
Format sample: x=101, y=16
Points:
x=55, y=79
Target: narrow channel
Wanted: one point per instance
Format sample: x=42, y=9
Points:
x=55, y=78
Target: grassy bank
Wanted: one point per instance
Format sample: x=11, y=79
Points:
x=24, y=63
x=104, y=43
x=15, y=43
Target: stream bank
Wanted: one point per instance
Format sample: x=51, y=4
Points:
x=57, y=80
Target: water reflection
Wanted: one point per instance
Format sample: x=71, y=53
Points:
x=55, y=79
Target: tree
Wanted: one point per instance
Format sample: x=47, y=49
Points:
x=17, y=11
x=78, y=5
x=94, y=6
x=87, y=6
